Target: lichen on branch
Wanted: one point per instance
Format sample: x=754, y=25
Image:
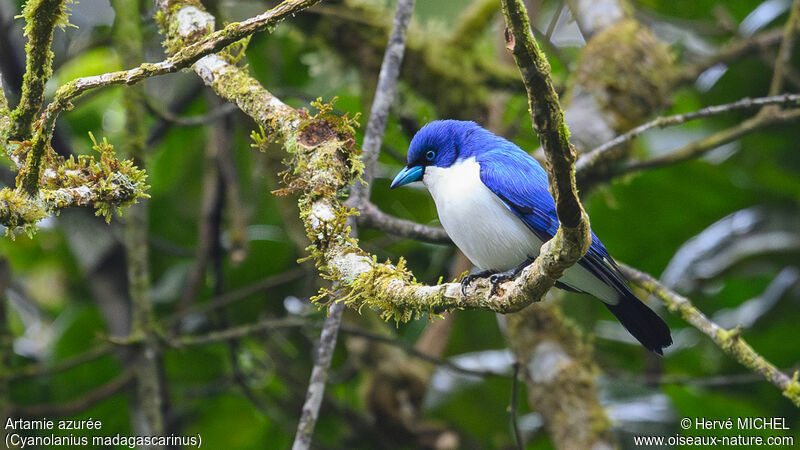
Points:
x=107, y=184
x=323, y=164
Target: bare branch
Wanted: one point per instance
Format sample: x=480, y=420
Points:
x=79, y=405
x=372, y=217
x=700, y=147
x=730, y=341
x=239, y=331
x=319, y=377
x=376, y=126
x=783, y=60
x=36, y=370
x=192, y=121
x=732, y=52
x=384, y=95
x=590, y=160
x=148, y=407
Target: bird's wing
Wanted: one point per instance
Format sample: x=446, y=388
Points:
x=518, y=179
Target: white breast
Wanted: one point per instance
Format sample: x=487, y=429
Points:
x=489, y=234
x=477, y=221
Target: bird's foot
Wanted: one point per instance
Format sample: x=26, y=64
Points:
x=494, y=277
x=501, y=277
x=467, y=280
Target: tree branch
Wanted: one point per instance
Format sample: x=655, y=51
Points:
x=376, y=126
x=79, y=405
x=371, y=217
x=184, y=56
x=783, y=60
x=238, y=331
x=700, y=147
x=149, y=406
x=731, y=52
x=319, y=377
x=41, y=18
x=384, y=95
x=590, y=160
x=37, y=370
x=730, y=341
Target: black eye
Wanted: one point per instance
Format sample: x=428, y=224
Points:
x=430, y=155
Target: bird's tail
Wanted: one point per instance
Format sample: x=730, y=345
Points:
x=641, y=321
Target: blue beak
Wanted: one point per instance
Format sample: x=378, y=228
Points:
x=407, y=175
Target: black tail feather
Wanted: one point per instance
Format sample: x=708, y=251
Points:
x=642, y=322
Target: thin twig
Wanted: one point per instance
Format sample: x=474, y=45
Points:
x=81, y=404
x=704, y=145
x=590, y=159
x=513, y=407
x=36, y=370
x=418, y=354
x=732, y=52
x=239, y=331
x=783, y=60
x=190, y=121
x=384, y=95
x=230, y=297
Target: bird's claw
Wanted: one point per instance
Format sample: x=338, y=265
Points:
x=498, y=278
x=494, y=278
x=466, y=281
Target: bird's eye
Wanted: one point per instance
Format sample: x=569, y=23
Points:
x=430, y=155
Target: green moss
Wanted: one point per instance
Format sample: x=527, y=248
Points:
x=107, y=184
x=629, y=71
x=19, y=212
x=41, y=18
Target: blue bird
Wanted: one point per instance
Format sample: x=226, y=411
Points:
x=493, y=202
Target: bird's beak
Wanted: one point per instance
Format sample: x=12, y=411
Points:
x=407, y=175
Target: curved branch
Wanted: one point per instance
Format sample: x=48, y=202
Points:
x=323, y=162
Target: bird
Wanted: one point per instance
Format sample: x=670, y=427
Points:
x=493, y=201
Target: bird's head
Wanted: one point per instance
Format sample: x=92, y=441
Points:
x=439, y=143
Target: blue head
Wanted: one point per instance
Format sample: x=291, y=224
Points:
x=439, y=143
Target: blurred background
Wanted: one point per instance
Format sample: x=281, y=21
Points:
x=722, y=228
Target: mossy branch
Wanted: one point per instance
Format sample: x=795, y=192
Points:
x=41, y=18
x=5, y=117
x=323, y=163
x=107, y=184
x=186, y=55
x=730, y=341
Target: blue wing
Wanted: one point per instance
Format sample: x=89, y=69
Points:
x=521, y=183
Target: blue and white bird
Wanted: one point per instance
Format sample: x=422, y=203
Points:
x=493, y=202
